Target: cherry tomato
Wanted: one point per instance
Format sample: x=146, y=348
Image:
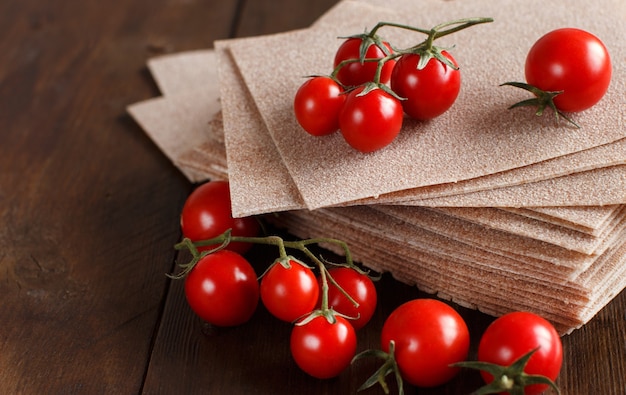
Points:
x=289, y=293
x=222, y=289
x=358, y=73
x=573, y=61
x=207, y=214
x=360, y=287
x=429, y=335
x=515, y=334
x=430, y=91
x=370, y=121
x=323, y=349
x=317, y=105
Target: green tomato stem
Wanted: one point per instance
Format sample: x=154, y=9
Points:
x=434, y=33
x=301, y=245
x=424, y=47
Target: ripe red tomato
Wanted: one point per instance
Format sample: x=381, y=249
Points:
x=429, y=335
x=370, y=121
x=317, y=104
x=222, y=289
x=429, y=92
x=323, y=349
x=573, y=61
x=360, y=287
x=515, y=334
x=357, y=73
x=207, y=214
x=289, y=293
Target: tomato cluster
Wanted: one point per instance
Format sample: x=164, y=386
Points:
x=222, y=288
x=373, y=85
x=423, y=341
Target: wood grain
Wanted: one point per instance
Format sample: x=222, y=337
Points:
x=89, y=214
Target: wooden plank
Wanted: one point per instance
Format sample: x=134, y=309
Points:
x=267, y=16
x=89, y=206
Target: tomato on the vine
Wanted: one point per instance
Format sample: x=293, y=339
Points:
x=317, y=104
x=323, y=349
x=289, y=293
x=573, y=61
x=207, y=214
x=429, y=335
x=429, y=91
x=513, y=335
x=370, y=120
x=357, y=73
x=360, y=287
x=222, y=289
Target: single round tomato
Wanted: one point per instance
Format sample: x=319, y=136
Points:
x=429, y=335
x=573, y=61
x=207, y=214
x=323, y=349
x=430, y=91
x=317, y=104
x=289, y=293
x=370, y=121
x=222, y=289
x=357, y=73
x=513, y=335
x=360, y=287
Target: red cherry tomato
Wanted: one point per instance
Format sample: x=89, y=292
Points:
x=317, y=105
x=222, y=289
x=360, y=287
x=429, y=92
x=289, y=293
x=515, y=334
x=573, y=61
x=429, y=335
x=321, y=349
x=357, y=73
x=207, y=214
x=370, y=121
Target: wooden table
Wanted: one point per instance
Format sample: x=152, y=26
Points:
x=89, y=214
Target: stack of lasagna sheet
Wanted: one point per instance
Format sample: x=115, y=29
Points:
x=491, y=208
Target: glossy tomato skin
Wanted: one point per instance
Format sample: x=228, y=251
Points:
x=360, y=287
x=289, y=293
x=371, y=121
x=513, y=335
x=573, y=61
x=429, y=92
x=222, y=289
x=321, y=349
x=317, y=104
x=207, y=214
x=357, y=73
x=429, y=335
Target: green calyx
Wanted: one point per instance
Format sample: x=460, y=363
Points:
x=510, y=379
x=389, y=366
x=427, y=50
x=541, y=100
x=427, y=53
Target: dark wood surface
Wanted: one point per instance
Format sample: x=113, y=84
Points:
x=89, y=214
